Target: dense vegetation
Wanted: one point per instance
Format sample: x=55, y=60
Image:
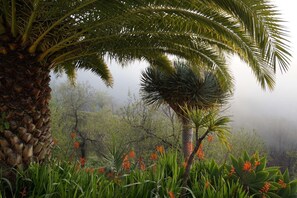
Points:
x=243, y=177
x=37, y=37
x=136, y=150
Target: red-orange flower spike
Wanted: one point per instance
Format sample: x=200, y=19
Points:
x=132, y=154
x=160, y=149
x=154, y=156
x=101, y=170
x=92, y=170
x=207, y=184
x=73, y=135
x=209, y=138
x=126, y=163
x=82, y=161
x=265, y=188
x=171, y=194
x=200, y=153
x=141, y=164
x=232, y=171
x=76, y=145
x=110, y=175
x=189, y=147
x=257, y=163
x=282, y=183
x=247, y=166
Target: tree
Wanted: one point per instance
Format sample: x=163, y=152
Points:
x=183, y=89
x=75, y=109
x=63, y=35
x=149, y=127
x=206, y=123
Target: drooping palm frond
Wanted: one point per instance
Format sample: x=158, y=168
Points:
x=183, y=87
x=63, y=31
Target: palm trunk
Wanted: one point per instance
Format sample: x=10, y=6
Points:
x=187, y=138
x=24, y=97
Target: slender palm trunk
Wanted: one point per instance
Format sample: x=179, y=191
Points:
x=25, y=116
x=187, y=137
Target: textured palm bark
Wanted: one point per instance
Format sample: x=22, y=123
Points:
x=187, y=138
x=24, y=100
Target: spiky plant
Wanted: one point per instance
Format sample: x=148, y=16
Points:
x=38, y=36
x=184, y=88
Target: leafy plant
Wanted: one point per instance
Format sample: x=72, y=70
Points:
x=257, y=179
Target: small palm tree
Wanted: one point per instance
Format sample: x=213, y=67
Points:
x=182, y=89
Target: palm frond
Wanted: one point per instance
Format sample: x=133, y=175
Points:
x=65, y=30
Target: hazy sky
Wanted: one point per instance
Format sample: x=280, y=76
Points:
x=251, y=106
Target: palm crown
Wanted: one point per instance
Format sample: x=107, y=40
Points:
x=68, y=34
x=183, y=87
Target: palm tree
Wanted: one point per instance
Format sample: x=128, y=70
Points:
x=38, y=36
x=184, y=89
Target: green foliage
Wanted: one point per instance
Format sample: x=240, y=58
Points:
x=202, y=32
x=239, y=142
x=161, y=177
x=252, y=173
x=184, y=86
x=210, y=122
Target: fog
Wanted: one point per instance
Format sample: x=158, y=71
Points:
x=252, y=108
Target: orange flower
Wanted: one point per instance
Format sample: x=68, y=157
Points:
x=265, y=188
x=132, y=154
x=82, y=161
x=232, y=171
x=209, y=138
x=154, y=156
x=126, y=163
x=207, y=184
x=126, y=158
x=73, y=135
x=101, y=170
x=257, y=163
x=171, y=194
x=92, y=170
x=141, y=164
x=110, y=174
x=160, y=149
x=200, y=153
x=87, y=170
x=247, y=166
x=76, y=145
x=282, y=183
x=189, y=147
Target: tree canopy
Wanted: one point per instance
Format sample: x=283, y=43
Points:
x=66, y=34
